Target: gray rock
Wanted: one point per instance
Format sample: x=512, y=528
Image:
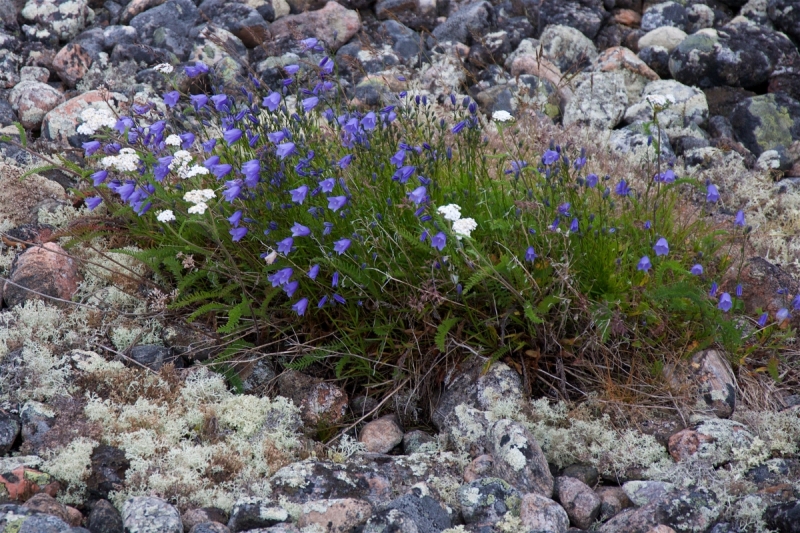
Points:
x=114, y=35
x=240, y=19
x=146, y=514
x=405, y=42
x=567, y=48
x=539, y=513
x=643, y=492
x=519, y=459
x=665, y=36
x=698, y=17
x=599, y=100
x=151, y=355
x=664, y=14
x=9, y=69
x=37, y=420
x=9, y=431
x=578, y=500
x=585, y=473
x=251, y=513
x=586, y=16
x=766, y=122
x=657, y=58
x=18, y=519
x=720, y=127
x=183, y=16
x=31, y=100
x=7, y=114
x=484, y=502
x=612, y=501
x=209, y=527
x=469, y=23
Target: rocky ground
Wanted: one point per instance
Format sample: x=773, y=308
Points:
x=109, y=424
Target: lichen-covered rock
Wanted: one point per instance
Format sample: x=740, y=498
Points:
x=219, y=48
x=539, y=513
x=635, y=71
x=146, y=514
x=578, y=500
x=21, y=520
x=413, y=512
x=46, y=504
x=414, y=440
x=567, y=48
x=333, y=24
x=613, y=500
x=9, y=68
x=586, y=16
x=319, y=401
x=480, y=467
x=634, y=139
x=48, y=270
x=175, y=37
x=381, y=435
x=690, y=106
x=213, y=527
x=715, y=382
x=31, y=100
x=784, y=517
x=252, y=513
x=468, y=24
x=63, y=18
x=519, y=459
x=192, y=517
x=766, y=122
x=686, y=443
x=471, y=387
x=599, y=100
x=643, y=492
x=335, y=515
x=657, y=58
x=743, y=55
x=71, y=63
x=484, y=502
x=664, y=14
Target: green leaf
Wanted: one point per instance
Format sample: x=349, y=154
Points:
x=532, y=314
x=442, y=331
x=234, y=316
x=23, y=138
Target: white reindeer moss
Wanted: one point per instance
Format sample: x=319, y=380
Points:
x=71, y=464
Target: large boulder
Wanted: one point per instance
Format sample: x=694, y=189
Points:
x=173, y=37
x=767, y=122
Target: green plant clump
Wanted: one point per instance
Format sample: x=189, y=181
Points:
x=378, y=241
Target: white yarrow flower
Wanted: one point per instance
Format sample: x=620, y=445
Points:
x=126, y=161
x=198, y=209
x=199, y=196
x=164, y=68
x=94, y=119
x=165, y=216
x=502, y=116
x=450, y=212
x=463, y=227
x=173, y=140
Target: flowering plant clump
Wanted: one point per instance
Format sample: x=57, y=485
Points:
x=390, y=231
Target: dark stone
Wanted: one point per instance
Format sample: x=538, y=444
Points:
x=243, y=21
x=785, y=15
x=414, y=440
x=405, y=42
x=253, y=513
x=494, y=498
x=114, y=35
x=784, y=517
x=467, y=25
x=721, y=100
x=7, y=114
x=742, y=55
x=154, y=357
x=683, y=144
x=182, y=16
x=585, y=16
x=585, y=473
x=139, y=53
x=9, y=431
x=719, y=127
x=109, y=465
x=406, y=12
x=657, y=58
x=36, y=419
x=104, y=518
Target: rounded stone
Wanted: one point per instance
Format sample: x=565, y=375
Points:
x=146, y=514
x=668, y=37
x=31, y=100
x=381, y=435
x=46, y=269
x=539, y=513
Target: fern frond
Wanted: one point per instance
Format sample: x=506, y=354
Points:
x=442, y=331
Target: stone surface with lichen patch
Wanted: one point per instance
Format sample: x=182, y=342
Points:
x=64, y=18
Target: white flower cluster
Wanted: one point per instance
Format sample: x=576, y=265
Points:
x=126, y=161
x=502, y=116
x=94, y=119
x=198, y=197
x=164, y=68
x=181, y=163
x=462, y=227
x=450, y=212
x=165, y=216
x=660, y=100
x=173, y=140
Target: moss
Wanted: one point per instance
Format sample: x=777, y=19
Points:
x=72, y=464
